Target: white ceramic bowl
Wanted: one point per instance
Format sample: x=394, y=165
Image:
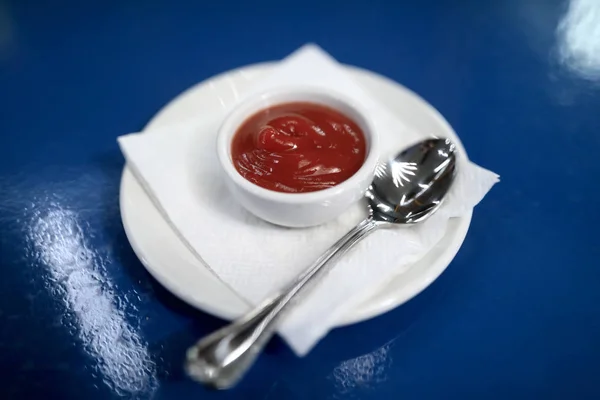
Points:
x=297, y=210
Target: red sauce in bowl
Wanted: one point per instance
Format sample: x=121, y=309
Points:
x=298, y=148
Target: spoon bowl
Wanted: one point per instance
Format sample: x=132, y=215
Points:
x=410, y=186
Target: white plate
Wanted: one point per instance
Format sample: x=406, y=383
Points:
x=175, y=267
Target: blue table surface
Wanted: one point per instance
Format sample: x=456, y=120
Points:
x=516, y=314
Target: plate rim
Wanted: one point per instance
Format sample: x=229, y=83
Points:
x=365, y=310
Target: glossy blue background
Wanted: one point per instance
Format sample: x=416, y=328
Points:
x=516, y=315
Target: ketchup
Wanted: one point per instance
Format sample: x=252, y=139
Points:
x=298, y=148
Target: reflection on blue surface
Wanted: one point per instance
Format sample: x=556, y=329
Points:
x=77, y=275
x=364, y=372
x=578, y=37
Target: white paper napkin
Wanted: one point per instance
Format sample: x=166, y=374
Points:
x=178, y=168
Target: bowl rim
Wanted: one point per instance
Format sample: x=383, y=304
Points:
x=247, y=108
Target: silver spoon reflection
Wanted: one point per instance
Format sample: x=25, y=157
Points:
x=407, y=189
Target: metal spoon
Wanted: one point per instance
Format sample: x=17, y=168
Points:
x=407, y=189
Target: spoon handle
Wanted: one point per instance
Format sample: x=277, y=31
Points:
x=221, y=358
